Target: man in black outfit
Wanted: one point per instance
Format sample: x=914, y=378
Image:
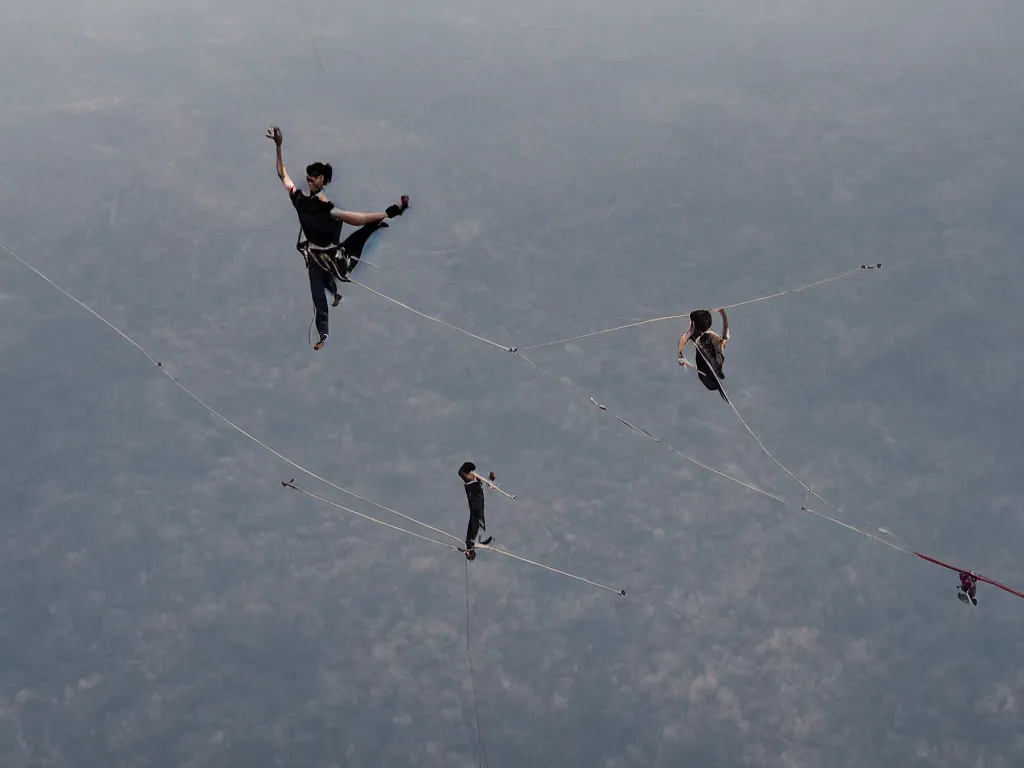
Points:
x=473, y=484
x=327, y=259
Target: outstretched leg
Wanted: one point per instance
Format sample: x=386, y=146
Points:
x=354, y=243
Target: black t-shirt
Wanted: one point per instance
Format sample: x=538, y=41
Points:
x=475, y=495
x=315, y=219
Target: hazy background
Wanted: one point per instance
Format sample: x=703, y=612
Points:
x=166, y=603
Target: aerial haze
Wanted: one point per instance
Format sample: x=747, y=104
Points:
x=572, y=166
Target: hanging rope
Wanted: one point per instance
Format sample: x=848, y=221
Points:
x=481, y=744
x=327, y=79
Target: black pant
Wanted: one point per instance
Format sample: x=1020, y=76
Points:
x=705, y=372
x=354, y=243
x=707, y=375
x=321, y=281
x=476, y=522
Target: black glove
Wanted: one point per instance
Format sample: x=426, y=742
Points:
x=397, y=210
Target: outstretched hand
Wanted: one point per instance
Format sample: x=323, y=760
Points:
x=274, y=133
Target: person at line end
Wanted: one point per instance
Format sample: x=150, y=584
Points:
x=327, y=258
x=709, y=348
x=473, y=484
x=967, y=589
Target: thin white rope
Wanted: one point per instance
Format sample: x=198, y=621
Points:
x=481, y=744
x=215, y=412
x=619, y=592
x=88, y=309
x=649, y=436
x=337, y=487
x=433, y=319
x=756, y=438
x=505, y=552
x=797, y=479
x=805, y=486
x=709, y=468
x=855, y=529
x=606, y=330
x=797, y=290
x=571, y=389
x=291, y=484
x=678, y=317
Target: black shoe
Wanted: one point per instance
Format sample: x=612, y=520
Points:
x=337, y=300
x=487, y=541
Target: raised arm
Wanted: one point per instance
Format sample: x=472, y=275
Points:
x=274, y=133
x=725, y=327
x=485, y=481
x=682, y=343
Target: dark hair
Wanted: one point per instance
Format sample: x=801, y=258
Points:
x=320, y=169
x=466, y=468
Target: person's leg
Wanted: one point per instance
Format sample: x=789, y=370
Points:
x=481, y=522
x=472, y=530
x=354, y=243
x=317, y=286
x=705, y=372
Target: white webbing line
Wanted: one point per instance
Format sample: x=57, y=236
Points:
x=678, y=317
x=215, y=412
